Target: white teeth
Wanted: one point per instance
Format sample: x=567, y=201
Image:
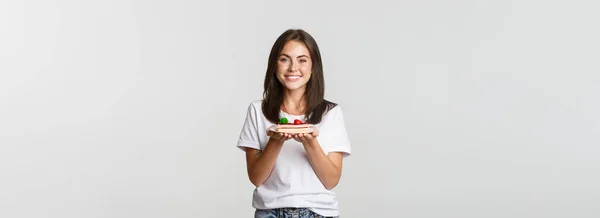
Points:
x=293, y=77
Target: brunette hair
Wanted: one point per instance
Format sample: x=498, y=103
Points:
x=316, y=105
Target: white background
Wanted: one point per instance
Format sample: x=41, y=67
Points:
x=454, y=108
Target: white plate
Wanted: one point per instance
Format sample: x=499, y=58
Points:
x=311, y=128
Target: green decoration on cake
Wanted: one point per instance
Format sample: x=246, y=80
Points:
x=283, y=121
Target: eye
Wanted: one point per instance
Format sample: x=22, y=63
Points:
x=283, y=60
x=303, y=60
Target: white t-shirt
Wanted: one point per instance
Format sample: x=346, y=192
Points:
x=293, y=182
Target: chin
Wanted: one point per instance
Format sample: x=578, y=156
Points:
x=295, y=87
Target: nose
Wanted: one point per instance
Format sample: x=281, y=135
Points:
x=293, y=66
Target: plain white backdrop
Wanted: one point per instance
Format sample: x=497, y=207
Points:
x=454, y=108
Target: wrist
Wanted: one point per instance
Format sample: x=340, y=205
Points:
x=276, y=142
x=311, y=143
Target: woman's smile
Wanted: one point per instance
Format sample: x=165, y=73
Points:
x=293, y=78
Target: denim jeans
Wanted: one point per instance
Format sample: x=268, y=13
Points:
x=287, y=213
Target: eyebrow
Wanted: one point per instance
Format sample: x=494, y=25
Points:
x=299, y=56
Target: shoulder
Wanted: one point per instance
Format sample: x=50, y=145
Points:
x=255, y=105
x=333, y=111
x=254, y=109
x=332, y=107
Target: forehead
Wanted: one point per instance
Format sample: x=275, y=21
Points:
x=295, y=48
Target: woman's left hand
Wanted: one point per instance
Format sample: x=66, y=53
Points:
x=306, y=138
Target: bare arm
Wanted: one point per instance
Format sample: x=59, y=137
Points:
x=327, y=167
x=261, y=163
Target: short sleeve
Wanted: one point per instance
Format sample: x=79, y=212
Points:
x=340, y=140
x=249, y=135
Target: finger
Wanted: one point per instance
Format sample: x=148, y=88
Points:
x=302, y=137
x=308, y=136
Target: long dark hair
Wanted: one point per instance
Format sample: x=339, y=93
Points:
x=315, y=87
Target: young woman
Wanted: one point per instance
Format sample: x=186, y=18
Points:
x=294, y=174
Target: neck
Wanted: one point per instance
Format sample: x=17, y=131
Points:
x=293, y=101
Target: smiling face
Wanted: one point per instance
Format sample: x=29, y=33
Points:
x=294, y=66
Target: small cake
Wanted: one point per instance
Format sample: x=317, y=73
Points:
x=296, y=127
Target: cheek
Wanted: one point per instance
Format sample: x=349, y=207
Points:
x=280, y=68
x=307, y=71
